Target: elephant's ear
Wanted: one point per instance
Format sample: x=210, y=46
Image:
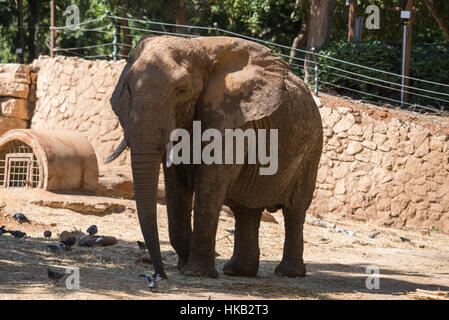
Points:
x=118, y=95
x=246, y=83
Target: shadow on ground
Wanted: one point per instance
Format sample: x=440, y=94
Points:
x=112, y=272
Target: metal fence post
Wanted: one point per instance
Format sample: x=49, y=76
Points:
x=115, y=42
x=315, y=90
x=216, y=28
x=52, y=29
x=404, y=45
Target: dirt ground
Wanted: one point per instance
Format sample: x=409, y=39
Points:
x=336, y=262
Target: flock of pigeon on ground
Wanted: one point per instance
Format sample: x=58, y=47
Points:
x=67, y=243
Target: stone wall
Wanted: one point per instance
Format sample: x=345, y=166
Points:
x=383, y=165
x=17, y=87
x=73, y=94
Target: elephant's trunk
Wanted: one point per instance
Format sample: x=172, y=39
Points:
x=145, y=168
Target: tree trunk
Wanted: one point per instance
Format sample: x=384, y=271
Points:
x=126, y=36
x=352, y=16
x=127, y=40
x=301, y=38
x=319, y=27
x=441, y=22
x=32, y=18
x=182, y=16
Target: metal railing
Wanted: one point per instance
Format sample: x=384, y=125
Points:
x=436, y=98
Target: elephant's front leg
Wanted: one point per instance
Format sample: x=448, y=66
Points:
x=211, y=186
x=179, y=197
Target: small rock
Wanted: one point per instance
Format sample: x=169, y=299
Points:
x=267, y=217
x=90, y=241
x=64, y=235
x=106, y=241
x=87, y=241
x=403, y=239
x=226, y=210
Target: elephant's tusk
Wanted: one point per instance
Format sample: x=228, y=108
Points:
x=122, y=147
x=169, y=154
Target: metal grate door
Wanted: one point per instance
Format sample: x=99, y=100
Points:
x=20, y=168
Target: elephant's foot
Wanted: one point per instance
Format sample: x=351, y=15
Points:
x=237, y=267
x=291, y=269
x=197, y=270
x=181, y=263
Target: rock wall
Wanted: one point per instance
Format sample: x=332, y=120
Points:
x=73, y=94
x=17, y=87
x=388, y=166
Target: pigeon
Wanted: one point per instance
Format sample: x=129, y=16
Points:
x=142, y=245
x=2, y=230
x=92, y=230
x=54, y=276
x=47, y=234
x=68, y=242
x=55, y=247
x=373, y=235
x=18, y=234
x=20, y=217
x=152, y=280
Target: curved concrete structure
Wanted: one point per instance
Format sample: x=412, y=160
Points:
x=66, y=160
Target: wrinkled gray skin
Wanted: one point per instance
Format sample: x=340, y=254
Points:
x=226, y=83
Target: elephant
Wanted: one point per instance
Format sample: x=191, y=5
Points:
x=226, y=83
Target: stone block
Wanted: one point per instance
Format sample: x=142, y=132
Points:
x=12, y=89
x=14, y=73
x=15, y=108
x=7, y=124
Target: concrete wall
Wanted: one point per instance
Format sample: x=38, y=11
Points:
x=384, y=165
x=73, y=94
x=387, y=166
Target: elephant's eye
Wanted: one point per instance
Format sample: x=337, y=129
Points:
x=181, y=90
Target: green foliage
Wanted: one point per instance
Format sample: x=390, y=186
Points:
x=425, y=29
x=384, y=57
x=8, y=27
x=272, y=20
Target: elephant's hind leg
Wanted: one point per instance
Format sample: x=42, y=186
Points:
x=245, y=260
x=292, y=264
